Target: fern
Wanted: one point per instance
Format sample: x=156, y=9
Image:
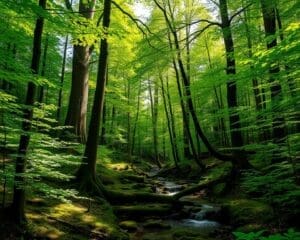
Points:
x=291, y=234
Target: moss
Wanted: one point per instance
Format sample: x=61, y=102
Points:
x=252, y=227
x=157, y=224
x=219, y=189
x=183, y=233
x=222, y=169
x=245, y=211
x=129, y=225
x=74, y=220
x=143, y=210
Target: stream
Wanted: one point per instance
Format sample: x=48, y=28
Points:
x=196, y=220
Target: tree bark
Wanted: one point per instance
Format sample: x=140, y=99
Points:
x=62, y=78
x=77, y=109
x=154, y=114
x=86, y=174
x=18, y=204
x=234, y=119
x=178, y=59
x=136, y=118
x=278, y=123
x=170, y=122
x=43, y=71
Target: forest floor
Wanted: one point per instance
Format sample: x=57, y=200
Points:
x=203, y=215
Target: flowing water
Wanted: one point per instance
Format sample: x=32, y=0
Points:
x=193, y=221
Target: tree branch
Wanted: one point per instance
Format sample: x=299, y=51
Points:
x=198, y=33
x=211, y=23
x=239, y=12
x=135, y=20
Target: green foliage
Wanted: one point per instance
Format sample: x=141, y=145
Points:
x=291, y=234
x=276, y=186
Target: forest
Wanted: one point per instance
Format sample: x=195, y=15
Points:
x=150, y=120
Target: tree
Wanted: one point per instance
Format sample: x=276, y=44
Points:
x=18, y=203
x=278, y=122
x=86, y=174
x=234, y=119
x=186, y=85
x=78, y=100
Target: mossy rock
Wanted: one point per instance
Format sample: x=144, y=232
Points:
x=245, y=211
x=129, y=225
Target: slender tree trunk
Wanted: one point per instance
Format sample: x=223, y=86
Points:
x=170, y=124
x=113, y=116
x=103, y=123
x=224, y=137
x=186, y=140
x=103, y=127
x=178, y=58
x=154, y=114
x=6, y=85
x=77, y=109
x=18, y=204
x=294, y=91
x=128, y=93
x=62, y=78
x=136, y=118
x=86, y=174
x=173, y=123
x=43, y=71
x=278, y=123
x=256, y=89
x=234, y=119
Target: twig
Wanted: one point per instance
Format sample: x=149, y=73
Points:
x=135, y=20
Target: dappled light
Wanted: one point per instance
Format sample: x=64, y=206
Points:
x=149, y=120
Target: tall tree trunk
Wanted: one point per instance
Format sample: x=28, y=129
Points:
x=62, y=78
x=278, y=123
x=103, y=123
x=234, y=119
x=262, y=131
x=128, y=93
x=178, y=59
x=86, y=174
x=6, y=85
x=170, y=124
x=154, y=114
x=186, y=140
x=77, y=109
x=136, y=118
x=43, y=71
x=294, y=91
x=18, y=204
x=222, y=127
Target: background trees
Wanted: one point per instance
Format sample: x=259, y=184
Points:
x=190, y=80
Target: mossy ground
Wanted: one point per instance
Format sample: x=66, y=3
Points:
x=94, y=218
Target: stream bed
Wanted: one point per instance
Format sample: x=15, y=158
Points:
x=194, y=221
